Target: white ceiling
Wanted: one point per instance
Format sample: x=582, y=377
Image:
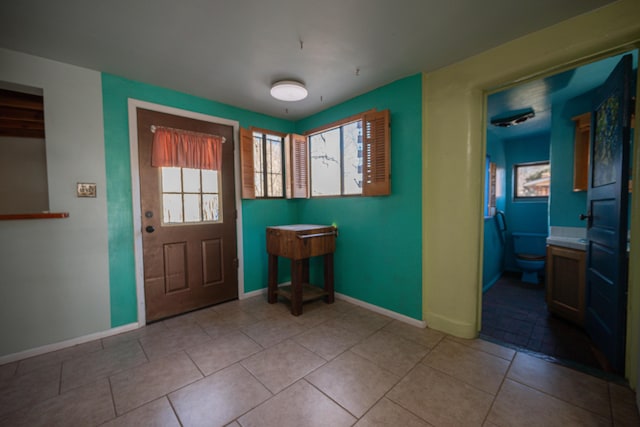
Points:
x=231, y=51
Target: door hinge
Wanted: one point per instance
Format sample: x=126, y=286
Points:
x=235, y=214
x=235, y=263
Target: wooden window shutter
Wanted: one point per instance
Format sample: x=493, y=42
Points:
x=376, y=156
x=297, y=165
x=246, y=164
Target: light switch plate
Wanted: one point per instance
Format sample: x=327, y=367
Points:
x=86, y=189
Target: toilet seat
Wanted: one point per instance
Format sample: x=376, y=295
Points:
x=529, y=257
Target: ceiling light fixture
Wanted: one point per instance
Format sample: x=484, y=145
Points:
x=289, y=90
x=514, y=119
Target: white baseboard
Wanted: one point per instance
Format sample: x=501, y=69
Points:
x=383, y=311
x=131, y=326
x=253, y=293
x=68, y=343
x=354, y=301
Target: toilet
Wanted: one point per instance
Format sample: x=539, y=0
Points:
x=530, y=250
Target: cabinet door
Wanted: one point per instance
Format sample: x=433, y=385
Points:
x=566, y=283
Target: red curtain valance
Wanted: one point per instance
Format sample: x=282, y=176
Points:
x=186, y=149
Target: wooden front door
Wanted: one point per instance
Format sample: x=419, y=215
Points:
x=188, y=224
x=607, y=198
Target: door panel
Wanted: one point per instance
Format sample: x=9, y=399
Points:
x=188, y=224
x=607, y=201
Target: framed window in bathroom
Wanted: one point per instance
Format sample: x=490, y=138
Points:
x=531, y=180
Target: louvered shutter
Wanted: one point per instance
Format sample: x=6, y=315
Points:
x=298, y=172
x=246, y=164
x=376, y=156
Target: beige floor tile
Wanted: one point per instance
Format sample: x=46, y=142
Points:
x=299, y=405
x=353, y=381
x=362, y=324
x=281, y=365
x=424, y=336
x=519, y=405
x=388, y=414
x=316, y=313
x=477, y=368
x=153, y=414
x=623, y=406
x=441, y=399
x=326, y=341
x=57, y=357
x=89, y=405
x=157, y=328
x=580, y=389
x=28, y=389
x=391, y=352
x=223, y=352
x=144, y=383
x=100, y=364
x=486, y=346
x=218, y=399
x=174, y=340
x=271, y=331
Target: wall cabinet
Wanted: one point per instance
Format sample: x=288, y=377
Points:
x=566, y=283
x=581, y=151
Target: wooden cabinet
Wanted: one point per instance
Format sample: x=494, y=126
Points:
x=581, y=151
x=566, y=283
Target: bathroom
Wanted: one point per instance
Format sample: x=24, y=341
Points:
x=535, y=194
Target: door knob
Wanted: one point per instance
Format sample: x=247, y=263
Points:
x=583, y=216
x=150, y=229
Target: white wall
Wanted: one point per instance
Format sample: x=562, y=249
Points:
x=54, y=277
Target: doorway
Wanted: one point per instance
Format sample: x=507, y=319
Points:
x=555, y=103
x=208, y=249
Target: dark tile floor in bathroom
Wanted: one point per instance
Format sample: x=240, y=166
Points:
x=515, y=313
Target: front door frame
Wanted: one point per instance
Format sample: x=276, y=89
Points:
x=133, y=105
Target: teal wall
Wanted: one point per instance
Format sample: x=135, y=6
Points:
x=257, y=214
x=379, y=236
x=565, y=205
x=529, y=216
x=494, y=239
x=379, y=248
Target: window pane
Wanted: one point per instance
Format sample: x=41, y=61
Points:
x=532, y=180
x=171, y=182
x=210, y=207
x=325, y=163
x=274, y=166
x=192, y=212
x=259, y=184
x=209, y=181
x=171, y=208
x=352, y=153
x=191, y=179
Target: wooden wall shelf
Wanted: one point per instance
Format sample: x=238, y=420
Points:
x=48, y=215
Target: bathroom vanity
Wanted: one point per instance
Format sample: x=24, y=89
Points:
x=566, y=282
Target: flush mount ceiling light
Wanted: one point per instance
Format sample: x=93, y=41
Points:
x=514, y=119
x=288, y=90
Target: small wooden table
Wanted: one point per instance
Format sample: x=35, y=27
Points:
x=300, y=242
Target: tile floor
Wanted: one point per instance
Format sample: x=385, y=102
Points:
x=248, y=363
x=516, y=313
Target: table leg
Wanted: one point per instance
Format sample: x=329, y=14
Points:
x=272, y=287
x=328, y=278
x=297, y=272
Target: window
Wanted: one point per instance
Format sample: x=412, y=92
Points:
x=351, y=157
x=262, y=164
x=336, y=161
x=531, y=180
x=190, y=195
